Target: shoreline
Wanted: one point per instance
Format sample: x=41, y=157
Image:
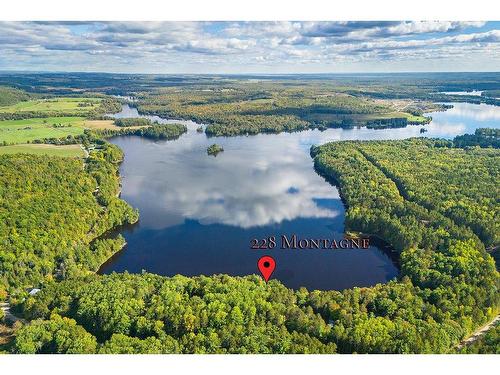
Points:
x=375, y=240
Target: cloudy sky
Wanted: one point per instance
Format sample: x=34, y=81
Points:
x=250, y=47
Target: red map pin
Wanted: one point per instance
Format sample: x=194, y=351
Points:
x=266, y=266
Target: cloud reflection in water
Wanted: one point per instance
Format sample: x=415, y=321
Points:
x=246, y=186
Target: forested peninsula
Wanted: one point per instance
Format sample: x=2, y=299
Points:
x=54, y=211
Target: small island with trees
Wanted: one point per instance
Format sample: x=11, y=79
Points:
x=214, y=149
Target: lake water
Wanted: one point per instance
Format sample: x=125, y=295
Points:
x=199, y=213
x=463, y=93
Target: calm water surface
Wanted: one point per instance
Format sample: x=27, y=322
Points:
x=198, y=213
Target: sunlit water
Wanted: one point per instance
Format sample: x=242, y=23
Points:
x=198, y=213
x=463, y=93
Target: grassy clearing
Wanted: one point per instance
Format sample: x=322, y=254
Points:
x=100, y=124
x=411, y=118
x=66, y=105
x=44, y=149
x=23, y=131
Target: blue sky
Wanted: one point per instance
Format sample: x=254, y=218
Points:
x=250, y=47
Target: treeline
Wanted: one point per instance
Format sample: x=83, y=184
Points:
x=238, y=125
x=52, y=213
x=88, y=138
x=125, y=122
x=482, y=137
x=10, y=96
x=396, y=122
x=471, y=99
x=387, y=123
x=157, y=131
x=68, y=140
x=432, y=215
x=491, y=93
x=146, y=313
x=23, y=115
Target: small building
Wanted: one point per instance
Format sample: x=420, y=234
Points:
x=33, y=291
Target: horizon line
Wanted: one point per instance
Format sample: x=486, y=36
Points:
x=237, y=74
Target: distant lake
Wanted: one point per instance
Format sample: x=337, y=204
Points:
x=198, y=213
x=463, y=93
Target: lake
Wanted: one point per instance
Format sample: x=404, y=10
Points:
x=199, y=213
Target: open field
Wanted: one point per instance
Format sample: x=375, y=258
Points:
x=44, y=149
x=100, y=124
x=65, y=105
x=28, y=130
x=23, y=131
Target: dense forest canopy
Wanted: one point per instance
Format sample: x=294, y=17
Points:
x=416, y=195
x=483, y=137
x=470, y=195
x=126, y=122
x=155, y=131
x=153, y=314
x=52, y=212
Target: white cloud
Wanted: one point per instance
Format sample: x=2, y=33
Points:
x=242, y=47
